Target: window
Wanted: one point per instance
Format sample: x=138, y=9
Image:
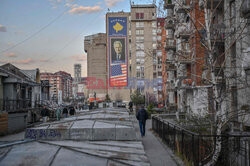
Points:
x=169, y=33
x=154, y=24
x=139, y=24
x=159, y=53
x=139, y=54
x=154, y=38
x=154, y=45
x=139, y=32
x=138, y=68
x=142, y=68
x=139, y=39
x=138, y=61
x=159, y=38
x=139, y=16
x=138, y=74
x=232, y=12
x=140, y=46
x=159, y=30
x=154, y=31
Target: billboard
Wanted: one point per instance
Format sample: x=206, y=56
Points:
x=117, y=39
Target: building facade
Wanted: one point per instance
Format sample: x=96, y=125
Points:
x=77, y=72
x=60, y=85
x=95, y=47
x=237, y=61
x=144, y=48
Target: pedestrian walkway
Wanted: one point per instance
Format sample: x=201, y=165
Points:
x=158, y=153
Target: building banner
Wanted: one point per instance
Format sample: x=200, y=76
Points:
x=117, y=39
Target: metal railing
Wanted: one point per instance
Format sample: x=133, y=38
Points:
x=15, y=105
x=198, y=149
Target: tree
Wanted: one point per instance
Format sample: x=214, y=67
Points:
x=107, y=98
x=223, y=74
x=137, y=98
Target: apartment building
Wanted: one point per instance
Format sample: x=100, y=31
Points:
x=160, y=68
x=77, y=72
x=95, y=47
x=185, y=57
x=237, y=61
x=61, y=85
x=144, y=48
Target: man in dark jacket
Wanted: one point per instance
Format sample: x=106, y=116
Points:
x=65, y=112
x=142, y=116
x=44, y=113
x=131, y=106
x=72, y=111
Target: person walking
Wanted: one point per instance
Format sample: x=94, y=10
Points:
x=142, y=116
x=72, y=111
x=130, y=106
x=65, y=112
x=58, y=113
x=44, y=114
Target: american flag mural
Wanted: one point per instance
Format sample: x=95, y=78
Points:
x=118, y=75
x=117, y=51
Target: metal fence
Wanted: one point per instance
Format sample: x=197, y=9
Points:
x=197, y=149
x=14, y=105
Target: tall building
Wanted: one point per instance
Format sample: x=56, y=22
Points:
x=77, y=72
x=61, y=85
x=95, y=47
x=143, y=55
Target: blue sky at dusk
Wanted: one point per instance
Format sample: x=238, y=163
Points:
x=50, y=33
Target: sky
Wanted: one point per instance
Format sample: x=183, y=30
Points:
x=49, y=34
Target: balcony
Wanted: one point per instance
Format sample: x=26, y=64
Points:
x=170, y=87
x=185, y=34
x=170, y=45
x=170, y=67
x=217, y=36
x=169, y=23
x=187, y=83
x=168, y=4
x=184, y=58
x=183, y=8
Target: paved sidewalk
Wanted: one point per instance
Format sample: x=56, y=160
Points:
x=158, y=154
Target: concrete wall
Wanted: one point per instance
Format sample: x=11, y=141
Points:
x=95, y=46
x=17, y=122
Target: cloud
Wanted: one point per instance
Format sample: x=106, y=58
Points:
x=85, y=9
x=21, y=61
x=79, y=57
x=111, y=3
x=71, y=5
x=11, y=55
x=3, y=28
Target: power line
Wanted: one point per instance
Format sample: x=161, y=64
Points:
x=32, y=35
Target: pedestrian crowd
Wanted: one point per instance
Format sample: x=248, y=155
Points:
x=59, y=111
